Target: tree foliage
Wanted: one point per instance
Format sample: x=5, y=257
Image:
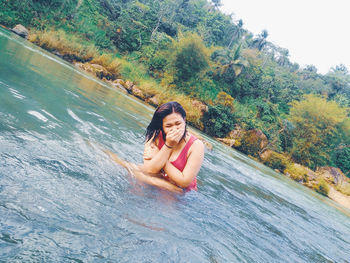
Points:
x=342, y=159
x=317, y=127
x=218, y=120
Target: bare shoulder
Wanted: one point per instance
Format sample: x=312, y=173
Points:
x=197, y=146
x=196, y=151
x=206, y=143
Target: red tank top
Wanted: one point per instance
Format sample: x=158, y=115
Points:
x=181, y=160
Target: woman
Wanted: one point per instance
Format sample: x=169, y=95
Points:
x=170, y=150
x=172, y=157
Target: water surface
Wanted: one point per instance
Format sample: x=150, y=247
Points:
x=63, y=200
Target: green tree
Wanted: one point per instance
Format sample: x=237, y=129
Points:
x=247, y=83
x=278, y=85
x=318, y=124
x=339, y=80
x=165, y=13
x=342, y=159
x=191, y=13
x=215, y=28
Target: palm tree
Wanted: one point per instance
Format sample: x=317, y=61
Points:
x=237, y=33
x=232, y=60
x=260, y=41
x=216, y=3
x=282, y=58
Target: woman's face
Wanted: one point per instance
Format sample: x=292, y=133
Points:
x=173, y=121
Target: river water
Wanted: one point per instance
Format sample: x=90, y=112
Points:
x=63, y=200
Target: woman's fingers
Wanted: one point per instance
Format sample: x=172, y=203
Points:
x=179, y=134
x=175, y=135
x=171, y=133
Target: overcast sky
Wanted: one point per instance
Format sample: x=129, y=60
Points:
x=314, y=31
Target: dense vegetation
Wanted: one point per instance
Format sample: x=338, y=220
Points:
x=191, y=48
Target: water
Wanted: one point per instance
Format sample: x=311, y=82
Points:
x=63, y=200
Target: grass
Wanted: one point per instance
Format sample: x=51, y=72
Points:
x=70, y=47
x=109, y=62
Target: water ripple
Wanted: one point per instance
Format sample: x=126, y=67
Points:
x=38, y=115
x=16, y=94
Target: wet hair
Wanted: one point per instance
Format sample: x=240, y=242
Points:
x=156, y=124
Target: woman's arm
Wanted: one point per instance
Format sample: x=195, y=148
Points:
x=194, y=163
x=151, y=180
x=158, y=158
x=116, y=158
x=141, y=176
x=154, y=159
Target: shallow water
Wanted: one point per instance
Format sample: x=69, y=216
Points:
x=63, y=200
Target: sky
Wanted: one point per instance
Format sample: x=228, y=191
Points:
x=316, y=32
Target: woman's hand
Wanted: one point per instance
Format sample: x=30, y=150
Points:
x=174, y=136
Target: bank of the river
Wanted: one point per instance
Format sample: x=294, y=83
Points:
x=125, y=76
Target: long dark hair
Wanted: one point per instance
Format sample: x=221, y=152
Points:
x=156, y=124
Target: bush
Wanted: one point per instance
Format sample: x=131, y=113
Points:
x=277, y=161
x=154, y=58
x=156, y=65
x=296, y=172
x=188, y=57
x=218, y=120
x=225, y=99
x=206, y=89
x=322, y=187
x=249, y=145
x=28, y=12
x=252, y=142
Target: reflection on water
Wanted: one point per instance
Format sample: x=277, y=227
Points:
x=64, y=200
